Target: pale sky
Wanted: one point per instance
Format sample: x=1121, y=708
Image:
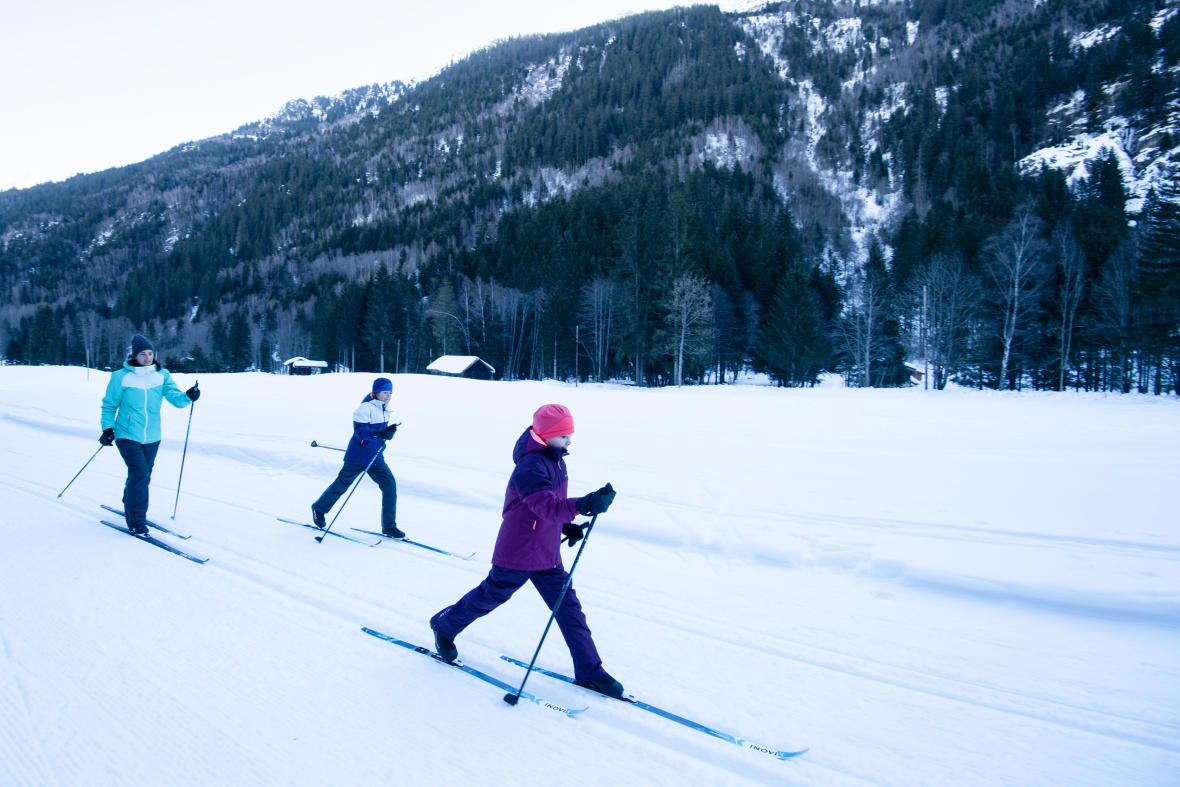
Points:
x=88, y=85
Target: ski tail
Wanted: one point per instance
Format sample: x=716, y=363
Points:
x=415, y=544
x=473, y=672
x=365, y=542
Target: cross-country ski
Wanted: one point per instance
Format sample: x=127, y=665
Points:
x=627, y=699
x=170, y=531
x=473, y=672
x=369, y=542
x=157, y=542
x=415, y=544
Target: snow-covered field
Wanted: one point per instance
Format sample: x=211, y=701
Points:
x=924, y=588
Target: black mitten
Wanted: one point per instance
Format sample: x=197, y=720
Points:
x=387, y=432
x=107, y=437
x=596, y=502
x=193, y=393
x=572, y=532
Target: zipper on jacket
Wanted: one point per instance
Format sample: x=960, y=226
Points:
x=534, y=524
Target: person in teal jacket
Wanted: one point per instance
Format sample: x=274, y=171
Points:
x=131, y=421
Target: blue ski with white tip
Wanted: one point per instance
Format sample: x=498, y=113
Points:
x=725, y=736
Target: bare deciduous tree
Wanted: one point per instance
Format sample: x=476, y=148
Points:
x=689, y=316
x=863, y=321
x=90, y=327
x=1071, y=286
x=1113, y=306
x=952, y=293
x=516, y=312
x=598, y=302
x=1016, y=267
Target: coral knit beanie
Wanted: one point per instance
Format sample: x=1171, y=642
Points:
x=552, y=420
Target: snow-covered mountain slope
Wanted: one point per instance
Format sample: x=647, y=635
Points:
x=961, y=588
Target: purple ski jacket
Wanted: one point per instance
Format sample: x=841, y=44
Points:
x=535, y=508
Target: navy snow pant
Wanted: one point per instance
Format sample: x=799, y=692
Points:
x=499, y=586
x=139, y=457
x=380, y=473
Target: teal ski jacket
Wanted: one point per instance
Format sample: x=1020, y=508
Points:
x=132, y=402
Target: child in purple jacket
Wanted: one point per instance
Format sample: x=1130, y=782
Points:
x=528, y=547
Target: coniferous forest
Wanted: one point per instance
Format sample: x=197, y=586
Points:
x=669, y=199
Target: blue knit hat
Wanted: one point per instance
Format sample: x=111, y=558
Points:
x=382, y=384
x=139, y=343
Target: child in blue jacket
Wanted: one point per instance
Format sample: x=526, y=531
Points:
x=370, y=430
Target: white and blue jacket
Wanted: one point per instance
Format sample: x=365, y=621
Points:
x=367, y=420
x=132, y=402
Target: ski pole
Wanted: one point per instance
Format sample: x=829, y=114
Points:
x=511, y=698
x=314, y=444
x=184, y=453
x=320, y=538
x=75, y=478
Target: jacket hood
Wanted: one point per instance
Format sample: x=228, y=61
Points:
x=526, y=444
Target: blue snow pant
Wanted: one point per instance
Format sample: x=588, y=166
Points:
x=139, y=458
x=499, y=586
x=379, y=472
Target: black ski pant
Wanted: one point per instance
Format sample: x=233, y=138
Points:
x=139, y=458
x=380, y=473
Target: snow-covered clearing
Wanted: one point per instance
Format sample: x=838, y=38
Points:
x=924, y=588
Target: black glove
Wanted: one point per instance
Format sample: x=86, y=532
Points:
x=573, y=532
x=193, y=393
x=107, y=437
x=387, y=432
x=596, y=502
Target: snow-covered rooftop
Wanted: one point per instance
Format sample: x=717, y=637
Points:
x=456, y=364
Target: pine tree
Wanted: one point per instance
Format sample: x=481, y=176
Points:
x=790, y=345
x=1158, y=285
x=381, y=314
x=238, y=346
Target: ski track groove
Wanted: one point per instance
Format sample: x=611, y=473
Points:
x=147, y=692
x=1156, y=735
x=982, y=535
x=39, y=760
x=92, y=751
x=911, y=528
